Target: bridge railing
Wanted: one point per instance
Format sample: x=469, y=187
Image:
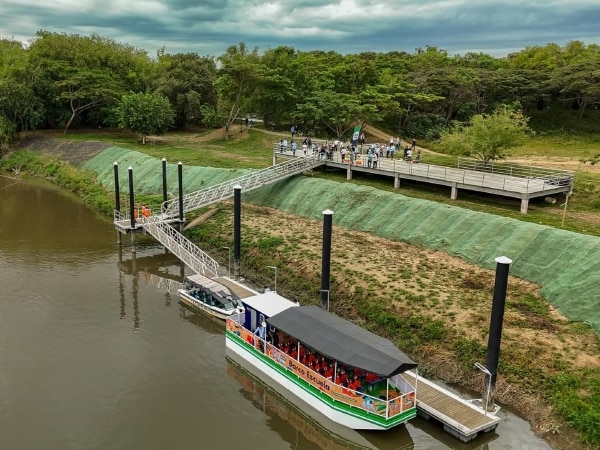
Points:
x=249, y=181
x=180, y=246
x=555, y=176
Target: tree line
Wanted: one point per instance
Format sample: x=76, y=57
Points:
x=68, y=80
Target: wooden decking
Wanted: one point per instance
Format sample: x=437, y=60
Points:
x=460, y=417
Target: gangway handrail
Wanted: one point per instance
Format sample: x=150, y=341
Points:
x=248, y=182
x=180, y=246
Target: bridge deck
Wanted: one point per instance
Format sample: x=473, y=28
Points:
x=503, y=184
x=460, y=417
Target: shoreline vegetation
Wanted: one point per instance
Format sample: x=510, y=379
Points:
x=550, y=366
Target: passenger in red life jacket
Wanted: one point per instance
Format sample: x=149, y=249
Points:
x=355, y=384
x=304, y=360
x=294, y=353
x=316, y=367
x=328, y=372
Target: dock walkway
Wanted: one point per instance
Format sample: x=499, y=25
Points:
x=514, y=181
x=460, y=417
x=236, y=288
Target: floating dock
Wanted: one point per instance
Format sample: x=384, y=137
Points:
x=460, y=417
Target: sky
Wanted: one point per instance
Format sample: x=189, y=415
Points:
x=208, y=27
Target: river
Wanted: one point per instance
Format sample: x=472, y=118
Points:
x=97, y=353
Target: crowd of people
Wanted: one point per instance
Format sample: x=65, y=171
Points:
x=351, y=153
x=349, y=377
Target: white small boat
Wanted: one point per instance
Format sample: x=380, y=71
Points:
x=209, y=296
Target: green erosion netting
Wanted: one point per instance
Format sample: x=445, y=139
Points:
x=147, y=172
x=565, y=264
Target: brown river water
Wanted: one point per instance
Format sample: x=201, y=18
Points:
x=96, y=353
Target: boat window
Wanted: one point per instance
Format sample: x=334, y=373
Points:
x=261, y=319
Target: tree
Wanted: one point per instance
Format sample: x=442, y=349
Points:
x=147, y=114
x=75, y=74
x=579, y=82
x=8, y=133
x=338, y=112
x=187, y=80
x=237, y=78
x=487, y=136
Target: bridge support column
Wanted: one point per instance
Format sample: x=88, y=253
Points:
x=454, y=192
x=397, y=181
x=524, y=205
x=349, y=172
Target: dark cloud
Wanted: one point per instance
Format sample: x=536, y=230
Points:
x=346, y=26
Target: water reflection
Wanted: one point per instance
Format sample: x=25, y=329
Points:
x=75, y=230
x=293, y=426
x=154, y=269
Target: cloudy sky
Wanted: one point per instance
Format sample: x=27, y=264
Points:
x=208, y=27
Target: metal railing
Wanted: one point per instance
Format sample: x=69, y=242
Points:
x=555, y=177
x=523, y=179
x=248, y=182
x=180, y=246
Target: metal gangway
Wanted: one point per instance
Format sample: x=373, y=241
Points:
x=248, y=182
x=190, y=254
x=180, y=246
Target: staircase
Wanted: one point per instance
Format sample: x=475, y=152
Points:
x=158, y=226
x=180, y=246
x=248, y=182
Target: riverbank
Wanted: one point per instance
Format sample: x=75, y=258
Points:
x=440, y=318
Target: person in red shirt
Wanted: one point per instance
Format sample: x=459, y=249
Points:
x=355, y=384
x=316, y=367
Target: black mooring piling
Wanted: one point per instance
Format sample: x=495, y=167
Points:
x=164, y=179
x=180, y=181
x=237, y=229
x=117, y=193
x=495, y=336
x=131, y=198
x=326, y=258
x=132, y=210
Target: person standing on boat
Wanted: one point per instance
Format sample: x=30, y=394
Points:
x=261, y=332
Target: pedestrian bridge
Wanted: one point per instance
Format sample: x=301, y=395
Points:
x=158, y=224
x=506, y=180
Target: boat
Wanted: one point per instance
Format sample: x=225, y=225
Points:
x=376, y=398
x=204, y=294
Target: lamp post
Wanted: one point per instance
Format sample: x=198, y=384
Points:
x=275, y=269
x=327, y=292
x=228, y=260
x=489, y=386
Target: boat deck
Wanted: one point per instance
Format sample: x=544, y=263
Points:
x=460, y=417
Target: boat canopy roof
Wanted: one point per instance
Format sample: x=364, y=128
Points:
x=207, y=283
x=342, y=341
x=270, y=303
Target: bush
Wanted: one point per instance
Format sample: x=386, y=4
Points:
x=425, y=126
